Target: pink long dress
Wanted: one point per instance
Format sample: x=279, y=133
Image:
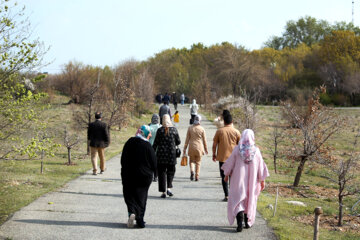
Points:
x=245, y=184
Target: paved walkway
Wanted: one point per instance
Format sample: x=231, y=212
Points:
x=92, y=207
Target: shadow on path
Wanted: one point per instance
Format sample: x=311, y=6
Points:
x=174, y=198
x=122, y=225
x=94, y=194
x=71, y=223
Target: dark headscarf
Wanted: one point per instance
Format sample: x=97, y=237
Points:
x=155, y=119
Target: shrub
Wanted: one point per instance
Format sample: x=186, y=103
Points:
x=339, y=99
x=325, y=99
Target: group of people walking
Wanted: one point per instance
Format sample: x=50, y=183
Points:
x=151, y=156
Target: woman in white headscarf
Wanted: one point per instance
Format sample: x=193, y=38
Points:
x=193, y=111
x=166, y=140
x=248, y=171
x=196, y=140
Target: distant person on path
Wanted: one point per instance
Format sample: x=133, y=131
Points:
x=182, y=99
x=248, y=171
x=196, y=140
x=176, y=118
x=164, y=109
x=138, y=164
x=166, y=140
x=99, y=137
x=166, y=99
x=154, y=126
x=225, y=139
x=158, y=98
x=193, y=110
x=174, y=100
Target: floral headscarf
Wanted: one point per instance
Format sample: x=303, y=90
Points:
x=247, y=146
x=143, y=132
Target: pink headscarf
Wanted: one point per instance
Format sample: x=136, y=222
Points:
x=247, y=146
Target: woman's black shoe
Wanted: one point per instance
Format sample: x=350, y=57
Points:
x=140, y=223
x=246, y=221
x=163, y=195
x=239, y=219
x=169, y=193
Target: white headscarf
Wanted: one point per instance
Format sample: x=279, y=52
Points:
x=247, y=146
x=166, y=122
x=197, y=119
x=194, y=107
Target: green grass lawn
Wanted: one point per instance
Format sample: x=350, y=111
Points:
x=21, y=181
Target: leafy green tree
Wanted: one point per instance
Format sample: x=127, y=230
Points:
x=339, y=62
x=20, y=107
x=307, y=30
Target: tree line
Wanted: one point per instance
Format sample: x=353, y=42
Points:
x=310, y=53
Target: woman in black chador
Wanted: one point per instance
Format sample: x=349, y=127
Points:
x=138, y=164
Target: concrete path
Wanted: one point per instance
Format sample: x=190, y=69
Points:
x=92, y=207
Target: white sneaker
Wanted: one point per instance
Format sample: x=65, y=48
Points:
x=130, y=223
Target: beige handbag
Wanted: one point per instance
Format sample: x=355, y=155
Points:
x=184, y=160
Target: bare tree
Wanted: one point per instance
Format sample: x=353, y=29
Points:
x=248, y=109
x=202, y=88
x=144, y=85
x=120, y=101
x=313, y=126
x=352, y=86
x=84, y=118
x=70, y=141
x=235, y=67
x=277, y=137
x=345, y=173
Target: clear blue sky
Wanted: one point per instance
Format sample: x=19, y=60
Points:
x=108, y=32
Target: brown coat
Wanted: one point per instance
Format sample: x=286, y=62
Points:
x=225, y=139
x=196, y=139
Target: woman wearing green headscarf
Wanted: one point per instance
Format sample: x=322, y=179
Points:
x=138, y=164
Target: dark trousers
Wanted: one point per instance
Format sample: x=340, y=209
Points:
x=175, y=106
x=192, y=118
x=166, y=173
x=136, y=197
x=225, y=185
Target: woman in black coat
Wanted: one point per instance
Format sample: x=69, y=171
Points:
x=166, y=140
x=138, y=164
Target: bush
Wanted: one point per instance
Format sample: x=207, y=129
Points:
x=299, y=95
x=339, y=99
x=325, y=99
x=142, y=107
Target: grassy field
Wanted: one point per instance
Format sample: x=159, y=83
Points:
x=21, y=181
x=295, y=222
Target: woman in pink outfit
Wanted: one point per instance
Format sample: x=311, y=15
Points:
x=247, y=171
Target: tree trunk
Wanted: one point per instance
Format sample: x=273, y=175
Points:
x=340, y=210
x=42, y=162
x=275, y=168
x=69, y=156
x=88, y=147
x=299, y=171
